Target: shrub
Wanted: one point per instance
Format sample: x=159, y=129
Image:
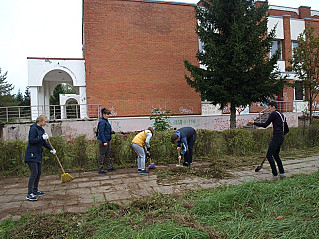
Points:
x=161, y=119
x=12, y=154
x=238, y=141
x=82, y=154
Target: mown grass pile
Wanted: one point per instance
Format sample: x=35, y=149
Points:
x=250, y=210
x=238, y=147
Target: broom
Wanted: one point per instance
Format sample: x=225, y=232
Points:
x=65, y=177
x=152, y=165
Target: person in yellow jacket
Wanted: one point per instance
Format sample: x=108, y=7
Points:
x=141, y=144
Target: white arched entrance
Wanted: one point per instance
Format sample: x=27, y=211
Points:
x=65, y=100
x=46, y=73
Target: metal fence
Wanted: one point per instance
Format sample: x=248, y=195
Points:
x=20, y=114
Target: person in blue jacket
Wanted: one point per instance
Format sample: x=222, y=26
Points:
x=33, y=155
x=104, y=136
x=185, y=139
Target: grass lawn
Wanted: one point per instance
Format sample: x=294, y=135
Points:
x=287, y=208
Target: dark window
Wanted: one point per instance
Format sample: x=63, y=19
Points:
x=299, y=91
x=276, y=45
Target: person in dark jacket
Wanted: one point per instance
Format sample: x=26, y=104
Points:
x=104, y=136
x=185, y=139
x=280, y=128
x=33, y=155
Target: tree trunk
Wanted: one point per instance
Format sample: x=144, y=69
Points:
x=311, y=100
x=232, y=116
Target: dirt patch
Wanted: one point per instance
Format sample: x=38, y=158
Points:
x=211, y=170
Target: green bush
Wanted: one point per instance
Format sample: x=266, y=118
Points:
x=82, y=154
x=312, y=135
x=12, y=155
x=209, y=144
x=238, y=141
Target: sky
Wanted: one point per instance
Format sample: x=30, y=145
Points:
x=53, y=28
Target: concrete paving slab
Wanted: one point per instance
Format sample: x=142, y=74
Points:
x=121, y=187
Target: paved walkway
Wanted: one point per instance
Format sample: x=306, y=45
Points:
x=120, y=186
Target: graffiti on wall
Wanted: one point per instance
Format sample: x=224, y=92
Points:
x=113, y=112
x=239, y=110
x=184, y=122
x=115, y=125
x=186, y=110
x=210, y=109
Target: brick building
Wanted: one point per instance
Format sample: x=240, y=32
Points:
x=291, y=22
x=134, y=52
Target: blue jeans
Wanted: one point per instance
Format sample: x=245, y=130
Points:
x=36, y=170
x=273, y=153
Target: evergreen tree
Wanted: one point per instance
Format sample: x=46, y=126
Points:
x=26, y=97
x=305, y=63
x=18, y=98
x=235, y=67
x=5, y=88
x=60, y=89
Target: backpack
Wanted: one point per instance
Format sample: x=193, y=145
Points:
x=97, y=130
x=285, y=127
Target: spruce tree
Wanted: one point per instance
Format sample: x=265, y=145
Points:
x=235, y=67
x=5, y=88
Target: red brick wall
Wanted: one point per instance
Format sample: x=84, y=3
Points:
x=304, y=12
x=286, y=46
x=134, y=52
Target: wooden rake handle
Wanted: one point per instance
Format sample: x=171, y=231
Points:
x=56, y=156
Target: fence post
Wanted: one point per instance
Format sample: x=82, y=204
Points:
x=98, y=112
x=19, y=114
x=7, y=114
x=76, y=111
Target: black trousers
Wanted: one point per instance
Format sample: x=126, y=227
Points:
x=104, y=157
x=188, y=156
x=273, y=153
x=36, y=170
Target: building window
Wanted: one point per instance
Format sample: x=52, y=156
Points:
x=294, y=44
x=299, y=91
x=276, y=45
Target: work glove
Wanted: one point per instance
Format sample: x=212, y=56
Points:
x=148, y=148
x=45, y=136
x=148, y=154
x=53, y=151
x=112, y=132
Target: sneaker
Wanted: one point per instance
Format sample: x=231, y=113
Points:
x=185, y=164
x=144, y=172
x=38, y=193
x=111, y=170
x=139, y=170
x=282, y=175
x=102, y=172
x=31, y=197
x=275, y=178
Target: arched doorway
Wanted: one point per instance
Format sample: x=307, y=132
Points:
x=45, y=74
